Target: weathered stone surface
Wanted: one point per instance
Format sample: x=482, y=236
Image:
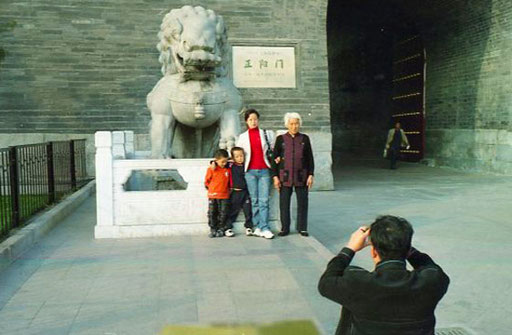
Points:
x=480, y=150
x=194, y=90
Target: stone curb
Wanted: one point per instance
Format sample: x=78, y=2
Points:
x=15, y=245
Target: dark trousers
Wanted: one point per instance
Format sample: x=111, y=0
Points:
x=394, y=155
x=217, y=213
x=240, y=200
x=285, y=195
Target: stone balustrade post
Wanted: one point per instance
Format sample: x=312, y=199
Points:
x=104, y=179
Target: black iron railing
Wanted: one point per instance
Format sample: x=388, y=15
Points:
x=37, y=175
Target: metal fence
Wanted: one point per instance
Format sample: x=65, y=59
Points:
x=37, y=175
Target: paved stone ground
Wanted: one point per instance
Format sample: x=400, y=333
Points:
x=463, y=220
x=72, y=284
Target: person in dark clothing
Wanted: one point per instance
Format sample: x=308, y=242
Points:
x=239, y=199
x=293, y=168
x=390, y=300
x=396, y=139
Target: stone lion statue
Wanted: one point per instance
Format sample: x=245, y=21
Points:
x=194, y=107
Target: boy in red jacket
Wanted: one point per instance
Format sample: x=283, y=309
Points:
x=217, y=182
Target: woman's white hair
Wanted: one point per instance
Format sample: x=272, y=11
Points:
x=289, y=116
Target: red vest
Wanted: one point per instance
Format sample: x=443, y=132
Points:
x=293, y=173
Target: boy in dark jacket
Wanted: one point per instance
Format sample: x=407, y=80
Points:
x=239, y=199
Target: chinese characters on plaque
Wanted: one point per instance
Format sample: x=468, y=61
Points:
x=264, y=66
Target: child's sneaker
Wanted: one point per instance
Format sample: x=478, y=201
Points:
x=229, y=233
x=248, y=231
x=219, y=233
x=212, y=234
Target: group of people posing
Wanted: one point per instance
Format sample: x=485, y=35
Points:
x=389, y=300
x=242, y=180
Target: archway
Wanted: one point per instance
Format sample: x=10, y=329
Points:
x=376, y=77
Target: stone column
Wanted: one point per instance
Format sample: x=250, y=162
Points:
x=118, y=150
x=104, y=179
x=129, y=147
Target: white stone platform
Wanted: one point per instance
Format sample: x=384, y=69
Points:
x=123, y=214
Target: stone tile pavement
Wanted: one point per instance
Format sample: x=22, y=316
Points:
x=463, y=220
x=72, y=284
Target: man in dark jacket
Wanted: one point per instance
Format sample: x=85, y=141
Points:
x=390, y=299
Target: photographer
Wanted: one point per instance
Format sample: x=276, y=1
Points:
x=390, y=299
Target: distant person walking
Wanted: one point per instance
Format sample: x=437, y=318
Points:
x=294, y=167
x=396, y=139
x=257, y=145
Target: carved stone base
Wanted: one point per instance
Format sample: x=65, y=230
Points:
x=123, y=211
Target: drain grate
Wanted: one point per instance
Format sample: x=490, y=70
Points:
x=452, y=331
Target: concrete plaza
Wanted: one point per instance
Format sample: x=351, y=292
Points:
x=70, y=283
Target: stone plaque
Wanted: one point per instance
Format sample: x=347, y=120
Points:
x=264, y=66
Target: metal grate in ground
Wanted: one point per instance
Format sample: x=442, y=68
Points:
x=452, y=331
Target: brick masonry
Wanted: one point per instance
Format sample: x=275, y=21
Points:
x=468, y=82
x=83, y=66
x=76, y=67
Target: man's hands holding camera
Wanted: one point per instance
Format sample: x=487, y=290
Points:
x=359, y=239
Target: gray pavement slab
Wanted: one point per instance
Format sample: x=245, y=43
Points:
x=70, y=283
x=463, y=220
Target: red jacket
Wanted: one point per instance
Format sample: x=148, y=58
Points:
x=217, y=182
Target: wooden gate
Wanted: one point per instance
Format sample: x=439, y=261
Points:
x=408, y=98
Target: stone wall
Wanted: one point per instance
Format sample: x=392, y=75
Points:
x=76, y=67
x=469, y=82
x=468, y=78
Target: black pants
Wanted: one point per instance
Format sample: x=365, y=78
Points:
x=394, y=155
x=217, y=213
x=285, y=195
x=240, y=200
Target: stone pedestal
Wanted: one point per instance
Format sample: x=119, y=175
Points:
x=122, y=213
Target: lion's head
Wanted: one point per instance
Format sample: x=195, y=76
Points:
x=193, y=42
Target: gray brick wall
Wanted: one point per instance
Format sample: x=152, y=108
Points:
x=468, y=80
x=82, y=66
x=468, y=62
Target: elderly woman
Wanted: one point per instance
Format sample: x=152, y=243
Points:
x=256, y=143
x=293, y=169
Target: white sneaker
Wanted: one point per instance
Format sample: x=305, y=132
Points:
x=267, y=234
x=257, y=232
x=248, y=231
x=229, y=233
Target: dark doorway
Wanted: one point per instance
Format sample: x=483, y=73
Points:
x=372, y=49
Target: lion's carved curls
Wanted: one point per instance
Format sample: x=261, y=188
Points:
x=173, y=26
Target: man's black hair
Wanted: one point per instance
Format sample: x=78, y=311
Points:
x=250, y=111
x=221, y=153
x=391, y=237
